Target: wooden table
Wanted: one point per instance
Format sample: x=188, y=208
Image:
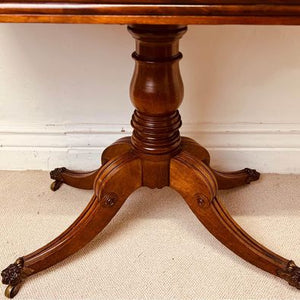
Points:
x=155, y=155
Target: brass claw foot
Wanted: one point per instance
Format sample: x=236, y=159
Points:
x=56, y=175
x=291, y=274
x=13, y=276
x=253, y=175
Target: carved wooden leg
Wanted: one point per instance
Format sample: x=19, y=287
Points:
x=85, y=180
x=228, y=180
x=81, y=180
x=111, y=191
x=198, y=186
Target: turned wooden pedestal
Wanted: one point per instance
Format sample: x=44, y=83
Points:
x=154, y=156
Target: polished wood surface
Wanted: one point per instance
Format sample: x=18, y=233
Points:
x=152, y=12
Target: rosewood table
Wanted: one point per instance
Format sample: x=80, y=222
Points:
x=155, y=155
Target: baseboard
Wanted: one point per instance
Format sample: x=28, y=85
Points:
x=270, y=148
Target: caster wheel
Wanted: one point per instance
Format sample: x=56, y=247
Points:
x=12, y=291
x=55, y=185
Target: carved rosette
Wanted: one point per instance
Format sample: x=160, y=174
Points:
x=202, y=200
x=291, y=274
x=109, y=199
x=13, y=274
x=253, y=175
x=56, y=174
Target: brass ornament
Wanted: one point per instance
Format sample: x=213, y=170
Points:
x=56, y=174
x=291, y=274
x=12, y=275
x=253, y=175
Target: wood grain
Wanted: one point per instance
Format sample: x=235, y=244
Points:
x=154, y=12
x=198, y=186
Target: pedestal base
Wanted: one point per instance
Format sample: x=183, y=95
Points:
x=120, y=175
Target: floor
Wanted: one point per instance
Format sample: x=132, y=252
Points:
x=154, y=248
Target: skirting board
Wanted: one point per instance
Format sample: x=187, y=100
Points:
x=270, y=148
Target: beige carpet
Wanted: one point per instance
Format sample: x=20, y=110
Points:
x=154, y=248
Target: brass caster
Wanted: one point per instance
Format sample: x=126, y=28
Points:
x=55, y=185
x=11, y=291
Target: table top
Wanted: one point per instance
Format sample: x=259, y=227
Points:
x=152, y=11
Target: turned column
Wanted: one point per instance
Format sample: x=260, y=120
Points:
x=156, y=91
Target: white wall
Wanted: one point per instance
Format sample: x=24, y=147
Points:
x=64, y=94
